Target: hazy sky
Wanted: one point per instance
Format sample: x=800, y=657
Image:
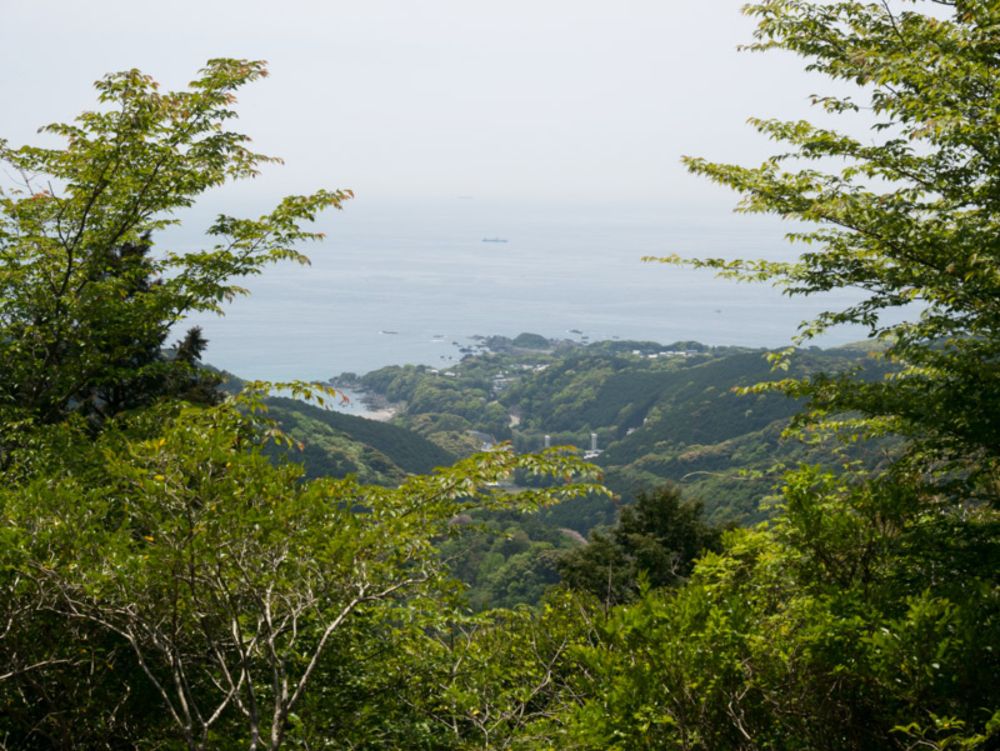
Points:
x=546, y=100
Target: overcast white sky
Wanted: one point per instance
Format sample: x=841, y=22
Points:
x=544, y=100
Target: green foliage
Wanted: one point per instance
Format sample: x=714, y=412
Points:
x=655, y=543
x=223, y=574
x=500, y=679
x=830, y=632
x=85, y=306
x=680, y=417
x=168, y=582
x=910, y=218
x=335, y=445
x=165, y=583
x=866, y=615
x=507, y=559
x=467, y=393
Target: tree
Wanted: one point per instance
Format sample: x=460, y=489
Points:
x=500, y=679
x=854, y=622
x=865, y=615
x=85, y=303
x=910, y=218
x=224, y=575
x=657, y=540
x=153, y=554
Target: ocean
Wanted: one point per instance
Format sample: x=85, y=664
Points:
x=398, y=283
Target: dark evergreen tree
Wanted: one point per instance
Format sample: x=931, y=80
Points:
x=657, y=540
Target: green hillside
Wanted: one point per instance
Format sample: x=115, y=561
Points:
x=661, y=413
x=336, y=445
x=721, y=445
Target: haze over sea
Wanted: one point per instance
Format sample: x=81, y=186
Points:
x=423, y=271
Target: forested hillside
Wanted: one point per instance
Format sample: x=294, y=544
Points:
x=332, y=444
x=172, y=577
x=335, y=444
x=660, y=413
x=663, y=414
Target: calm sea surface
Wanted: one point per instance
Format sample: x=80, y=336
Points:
x=425, y=273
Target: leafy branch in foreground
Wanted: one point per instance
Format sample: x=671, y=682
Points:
x=86, y=300
x=910, y=219
x=226, y=576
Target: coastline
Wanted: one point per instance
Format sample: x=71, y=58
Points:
x=381, y=415
x=363, y=403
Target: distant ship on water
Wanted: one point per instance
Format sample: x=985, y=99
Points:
x=494, y=239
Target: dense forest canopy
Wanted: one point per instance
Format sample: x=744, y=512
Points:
x=169, y=580
x=149, y=541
